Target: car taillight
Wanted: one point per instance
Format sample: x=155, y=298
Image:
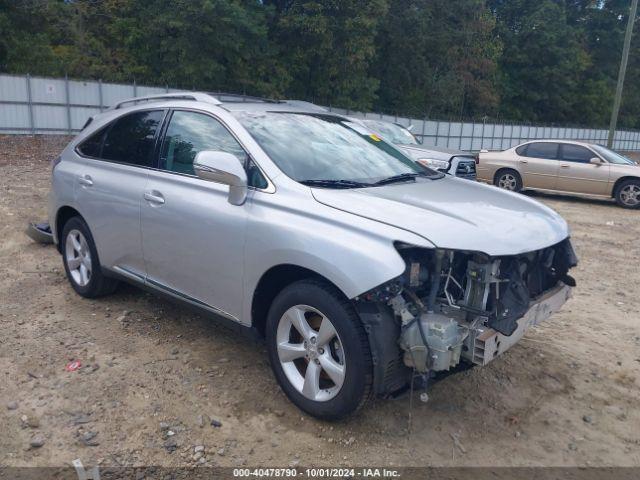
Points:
x=55, y=162
x=477, y=159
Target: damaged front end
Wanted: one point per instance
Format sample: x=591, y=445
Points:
x=456, y=306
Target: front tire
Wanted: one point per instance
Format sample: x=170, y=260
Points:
x=81, y=261
x=508, y=179
x=628, y=194
x=319, y=350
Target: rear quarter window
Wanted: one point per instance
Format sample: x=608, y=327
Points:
x=92, y=146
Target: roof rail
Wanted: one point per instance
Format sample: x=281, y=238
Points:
x=196, y=96
x=240, y=98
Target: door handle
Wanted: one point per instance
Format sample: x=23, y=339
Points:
x=564, y=165
x=85, y=181
x=524, y=161
x=154, y=197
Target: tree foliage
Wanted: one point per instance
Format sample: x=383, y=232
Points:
x=527, y=60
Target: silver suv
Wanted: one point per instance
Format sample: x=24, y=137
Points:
x=362, y=269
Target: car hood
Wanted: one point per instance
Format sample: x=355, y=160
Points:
x=455, y=214
x=418, y=151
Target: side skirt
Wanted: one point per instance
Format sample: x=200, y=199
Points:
x=220, y=317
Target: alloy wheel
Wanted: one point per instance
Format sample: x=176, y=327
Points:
x=508, y=181
x=311, y=353
x=630, y=195
x=78, y=257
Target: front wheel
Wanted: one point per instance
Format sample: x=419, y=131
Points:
x=319, y=350
x=628, y=194
x=509, y=180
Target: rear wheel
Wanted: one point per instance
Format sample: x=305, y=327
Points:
x=628, y=194
x=319, y=350
x=81, y=261
x=508, y=179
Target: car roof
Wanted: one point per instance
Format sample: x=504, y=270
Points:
x=558, y=140
x=229, y=101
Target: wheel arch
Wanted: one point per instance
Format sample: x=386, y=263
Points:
x=63, y=215
x=504, y=168
x=619, y=181
x=272, y=282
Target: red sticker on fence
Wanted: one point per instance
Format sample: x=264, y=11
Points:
x=73, y=366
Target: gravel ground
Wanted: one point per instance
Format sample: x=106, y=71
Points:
x=163, y=386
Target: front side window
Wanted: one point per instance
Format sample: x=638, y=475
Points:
x=613, y=157
x=576, y=153
x=188, y=134
x=131, y=139
x=321, y=147
x=545, y=150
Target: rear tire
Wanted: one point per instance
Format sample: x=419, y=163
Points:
x=508, y=179
x=319, y=350
x=627, y=194
x=81, y=261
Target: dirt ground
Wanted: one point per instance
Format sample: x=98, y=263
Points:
x=154, y=376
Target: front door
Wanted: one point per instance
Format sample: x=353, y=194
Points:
x=578, y=175
x=539, y=162
x=193, y=238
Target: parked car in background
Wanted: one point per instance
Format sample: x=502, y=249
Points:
x=357, y=265
x=454, y=162
x=564, y=166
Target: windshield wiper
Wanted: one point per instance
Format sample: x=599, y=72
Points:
x=335, y=183
x=403, y=177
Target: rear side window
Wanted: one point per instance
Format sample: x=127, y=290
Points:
x=542, y=150
x=576, y=153
x=131, y=139
x=522, y=150
x=189, y=133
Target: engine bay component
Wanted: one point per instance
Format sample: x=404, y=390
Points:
x=456, y=305
x=444, y=339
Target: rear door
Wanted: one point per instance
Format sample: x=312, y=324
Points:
x=539, y=163
x=111, y=176
x=578, y=175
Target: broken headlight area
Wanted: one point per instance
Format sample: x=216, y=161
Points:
x=450, y=304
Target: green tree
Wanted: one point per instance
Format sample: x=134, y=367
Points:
x=327, y=48
x=544, y=62
x=437, y=58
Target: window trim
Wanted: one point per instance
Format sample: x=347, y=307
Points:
x=594, y=154
x=270, y=188
x=557, y=157
x=107, y=127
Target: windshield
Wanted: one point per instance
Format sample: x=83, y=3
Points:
x=392, y=132
x=325, y=148
x=612, y=157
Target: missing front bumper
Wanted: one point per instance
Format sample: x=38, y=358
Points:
x=485, y=344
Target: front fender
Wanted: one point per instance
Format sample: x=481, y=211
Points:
x=354, y=253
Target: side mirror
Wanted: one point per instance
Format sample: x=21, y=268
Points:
x=225, y=168
x=596, y=161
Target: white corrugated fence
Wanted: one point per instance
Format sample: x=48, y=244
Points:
x=40, y=105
